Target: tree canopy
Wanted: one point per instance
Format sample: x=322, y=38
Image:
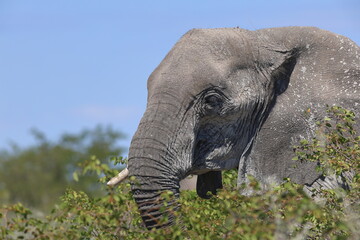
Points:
x=38, y=175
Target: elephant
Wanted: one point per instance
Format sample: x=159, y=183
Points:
x=232, y=98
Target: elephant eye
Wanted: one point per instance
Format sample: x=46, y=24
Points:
x=213, y=102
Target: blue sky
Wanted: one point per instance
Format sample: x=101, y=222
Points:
x=68, y=65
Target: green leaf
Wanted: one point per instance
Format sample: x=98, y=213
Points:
x=75, y=176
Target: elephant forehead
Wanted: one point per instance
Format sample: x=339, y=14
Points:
x=187, y=76
x=204, y=58
x=186, y=85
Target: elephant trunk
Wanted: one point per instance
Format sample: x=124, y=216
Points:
x=152, y=209
x=153, y=169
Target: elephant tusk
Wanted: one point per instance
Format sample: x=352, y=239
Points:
x=119, y=178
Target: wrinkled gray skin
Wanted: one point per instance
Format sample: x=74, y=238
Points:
x=232, y=98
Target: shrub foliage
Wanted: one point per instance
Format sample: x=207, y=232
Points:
x=284, y=212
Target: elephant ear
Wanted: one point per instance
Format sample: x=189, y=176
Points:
x=305, y=80
x=281, y=72
x=208, y=182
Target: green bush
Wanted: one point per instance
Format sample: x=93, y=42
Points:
x=284, y=212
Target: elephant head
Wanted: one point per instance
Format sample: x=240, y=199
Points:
x=232, y=98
